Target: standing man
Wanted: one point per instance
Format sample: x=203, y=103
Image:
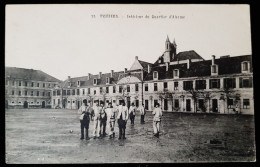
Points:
x=103, y=121
x=157, y=112
x=96, y=119
x=122, y=119
x=110, y=120
x=132, y=113
x=84, y=119
x=142, y=112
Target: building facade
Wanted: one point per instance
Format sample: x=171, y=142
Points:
x=179, y=82
x=28, y=88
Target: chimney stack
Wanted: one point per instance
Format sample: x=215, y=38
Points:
x=213, y=59
x=99, y=76
x=188, y=63
x=136, y=57
x=89, y=75
x=149, y=68
x=112, y=73
x=125, y=70
x=68, y=77
x=167, y=66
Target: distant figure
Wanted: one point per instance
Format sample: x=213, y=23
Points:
x=237, y=108
x=132, y=110
x=84, y=119
x=103, y=121
x=157, y=112
x=142, y=112
x=122, y=119
x=96, y=119
x=110, y=111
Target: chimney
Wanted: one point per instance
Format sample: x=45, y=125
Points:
x=167, y=66
x=149, y=68
x=136, y=57
x=188, y=63
x=125, y=70
x=112, y=73
x=213, y=59
x=68, y=77
x=99, y=76
x=89, y=75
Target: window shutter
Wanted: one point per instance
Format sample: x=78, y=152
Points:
x=234, y=83
x=250, y=82
x=218, y=83
x=240, y=83
x=225, y=82
x=210, y=84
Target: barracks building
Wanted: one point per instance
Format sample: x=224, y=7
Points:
x=179, y=82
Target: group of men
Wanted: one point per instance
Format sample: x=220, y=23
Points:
x=104, y=119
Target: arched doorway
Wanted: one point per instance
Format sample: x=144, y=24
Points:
x=25, y=104
x=43, y=104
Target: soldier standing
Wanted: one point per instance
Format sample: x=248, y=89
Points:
x=96, y=119
x=122, y=119
x=132, y=113
x=103, y=121
x=84, y=119
x=110, y=120
x=157, y=112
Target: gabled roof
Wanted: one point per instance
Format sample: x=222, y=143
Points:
x=187, y=55
x=29, y=74
x=145, y=64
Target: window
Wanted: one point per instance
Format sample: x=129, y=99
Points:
x=146, y=87
x=114, y=101
x=120, y=89
x=49, y=85
x=137, y=103
x=107, y=89
x=12, y=92
x=155, y=102
x=58, y=92
x=53, y=101
x=31, y=93
x=49, y=93
x=32, y=84
x=246, y=103
x=100, y=90
x=230, y=103
x=175, y=73
x=246, y=82
x=136, y=87
x=37, y=93
x=114, y=89
x=19, y=93
x=155, y=88
x=43, y=85
x=128, y=88
x=83, y=91
x=68, y=92
x=214, y=68
x=200, y=84
x=77, y=91
x=176, y=85
x=26, y=83
x=20, y=83
x=58, y=101
x=38, y=85
x=95, y=92
x=187, y=85
x=43, y=93
x=165, y=85
x=165, y=107
x=107, y=80
x=146, y=104
x=78, y=83
x=88, y=90
x=25, y=93
x=229, y=83
x=73, y=91
x=94, y=81
x=214, y=83
x=245, y=66
x=155, y=75
x=176, y=103
x=201, y=104
x=64, y=92
x=54, y=93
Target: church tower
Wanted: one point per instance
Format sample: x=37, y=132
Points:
x=170, y=50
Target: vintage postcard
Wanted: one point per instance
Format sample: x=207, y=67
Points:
x=88, y=83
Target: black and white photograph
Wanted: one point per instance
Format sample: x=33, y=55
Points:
x=128, y=83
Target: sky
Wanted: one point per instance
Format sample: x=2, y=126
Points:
x=74, y=40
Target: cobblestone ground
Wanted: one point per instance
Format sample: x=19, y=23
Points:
x=43, y=136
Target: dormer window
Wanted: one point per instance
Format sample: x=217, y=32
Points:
x=214, y=69
x=69, y=84
x=245, y=66
x=176, y=73
x=155, y=75
x=107, y=80
x=95, y=81
x=78, y=83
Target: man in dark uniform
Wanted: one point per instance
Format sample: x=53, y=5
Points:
x=84, y=119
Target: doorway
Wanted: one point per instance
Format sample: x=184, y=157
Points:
x=188, y=108
x=43, y=104
x=78, y=104
x=214, y=105
x=165, y=104
x=25, y=104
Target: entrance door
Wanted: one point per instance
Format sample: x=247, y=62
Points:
x=146, y=104
x=78, y=104
x=43, y=104
x=165, y=104
x=188, y=105
x=214, y=105
x=25, y=104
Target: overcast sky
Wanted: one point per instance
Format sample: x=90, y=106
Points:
x=64, y=40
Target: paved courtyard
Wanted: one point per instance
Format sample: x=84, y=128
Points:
x=43, y=136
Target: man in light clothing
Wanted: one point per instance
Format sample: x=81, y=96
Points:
x=132, y=110
x=96, y=119
x=103, y=121
x=157, y=112
x=110, y=120
x=122, y=119
x=142, y=112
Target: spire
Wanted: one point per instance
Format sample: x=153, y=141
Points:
x=174, y=43
x=167, y=40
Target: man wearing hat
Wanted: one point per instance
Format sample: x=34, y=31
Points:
x=157, y=112
x=103, y=121
x=122, y=118
x=84, y=119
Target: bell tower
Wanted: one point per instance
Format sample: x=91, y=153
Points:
x=167, y=53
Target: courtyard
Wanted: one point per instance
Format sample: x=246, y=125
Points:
x=53, y=136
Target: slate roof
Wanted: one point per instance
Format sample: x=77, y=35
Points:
x=145, y=64
x=29, y=74
x=229, y=65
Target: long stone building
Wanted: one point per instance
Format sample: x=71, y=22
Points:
x=28, y=88
x=180, y=82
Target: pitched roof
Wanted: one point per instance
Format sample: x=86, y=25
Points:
x=29, y=74
x=145, y=64
x=187, y=55
x=229, y=65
